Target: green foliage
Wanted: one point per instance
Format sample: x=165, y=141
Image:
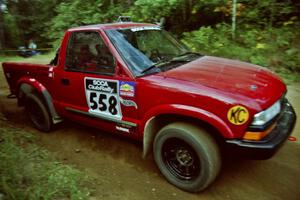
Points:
x=265, y=13
x=29, y=172
x=25, y=20
x=149, y=10
x=277, y=48
x=78, y=13
x=12, y=36
x=266, y=31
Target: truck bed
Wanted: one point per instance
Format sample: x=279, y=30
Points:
x=14, y=71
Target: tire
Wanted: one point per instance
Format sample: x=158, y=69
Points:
x=38, y=113
x=187, y=156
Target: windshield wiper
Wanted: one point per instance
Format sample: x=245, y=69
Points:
x=188, y=53
x=149, y=68
x=174, y=60
x=155, y=65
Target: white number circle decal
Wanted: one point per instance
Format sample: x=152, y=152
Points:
x=103, y=97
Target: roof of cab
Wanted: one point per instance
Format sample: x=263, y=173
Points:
x=110, y=26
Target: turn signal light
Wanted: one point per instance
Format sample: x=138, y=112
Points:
x=256, y=136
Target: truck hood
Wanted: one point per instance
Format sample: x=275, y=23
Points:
x=231, y=76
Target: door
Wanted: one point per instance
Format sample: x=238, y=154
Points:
x=90, y=90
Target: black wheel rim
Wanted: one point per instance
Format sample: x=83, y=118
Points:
x=181, y=159
x=35, y=113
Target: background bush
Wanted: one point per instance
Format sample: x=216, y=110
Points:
x=267, y=32
x=277, y=48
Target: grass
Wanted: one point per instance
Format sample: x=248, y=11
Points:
x=41, y=59
x=28, y=171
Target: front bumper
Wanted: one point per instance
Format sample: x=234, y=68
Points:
x=269, y=145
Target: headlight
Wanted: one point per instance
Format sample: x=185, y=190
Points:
x=263, y=117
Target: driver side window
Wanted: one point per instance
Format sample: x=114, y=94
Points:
x=87, y=52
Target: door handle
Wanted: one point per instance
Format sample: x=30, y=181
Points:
x=65, y=81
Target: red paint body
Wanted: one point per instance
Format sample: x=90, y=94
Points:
x=203, y=89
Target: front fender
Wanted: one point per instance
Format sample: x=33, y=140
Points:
x=189, y=111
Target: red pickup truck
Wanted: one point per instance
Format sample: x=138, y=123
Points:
x=136, y=80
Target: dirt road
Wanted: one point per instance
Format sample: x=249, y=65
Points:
x=121, y=173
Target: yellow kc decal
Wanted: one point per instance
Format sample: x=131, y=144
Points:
x=238, y=115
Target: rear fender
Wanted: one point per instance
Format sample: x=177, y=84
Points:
x=29, y=86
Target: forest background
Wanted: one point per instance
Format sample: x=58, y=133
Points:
x=264, y=32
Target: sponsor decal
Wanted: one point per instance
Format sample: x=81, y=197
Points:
x=101, y=85
x=119, y=128
x=238, y=115
x=127, y=88
x=128, y=103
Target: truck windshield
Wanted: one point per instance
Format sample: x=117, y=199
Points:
x=148, y=49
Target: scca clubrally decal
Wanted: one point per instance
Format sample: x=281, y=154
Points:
x=103, y=97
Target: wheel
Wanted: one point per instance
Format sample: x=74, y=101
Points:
x=187, y=156
x=38, y=113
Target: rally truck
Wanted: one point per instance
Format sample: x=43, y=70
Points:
x=138, y=81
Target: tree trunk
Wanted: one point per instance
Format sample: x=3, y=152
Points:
x=272, y=8
x=1, y=30
x=233, y=18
